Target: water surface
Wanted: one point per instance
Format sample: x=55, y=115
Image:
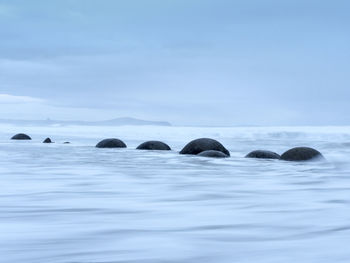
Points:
x=76, y=203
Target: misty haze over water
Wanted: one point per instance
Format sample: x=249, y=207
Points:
x=243, y=75
x=77, y=203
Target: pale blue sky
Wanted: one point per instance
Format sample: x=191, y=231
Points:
x=207, y=62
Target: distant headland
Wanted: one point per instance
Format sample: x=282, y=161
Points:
x=125, y=121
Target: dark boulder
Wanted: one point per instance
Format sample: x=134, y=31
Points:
x=204, y=144
x=154, y=145
x=260, y=154
x=21, y=136
x=47, y=140
x=213, y=154
x=111, y=143
x=301, y=154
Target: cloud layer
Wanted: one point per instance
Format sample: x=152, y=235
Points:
x=188, y=62
x=10, y=99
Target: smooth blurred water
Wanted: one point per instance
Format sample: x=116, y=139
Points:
x=76, y=203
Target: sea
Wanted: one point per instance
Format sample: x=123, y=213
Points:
x=80, y=204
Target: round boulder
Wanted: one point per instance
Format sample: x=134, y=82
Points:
x=301, y=154
x=260, y=154
x=21, y=136
x=204, y=144
x=47, y=140
x=154, y=145
x=213, y=154
x=111, y=143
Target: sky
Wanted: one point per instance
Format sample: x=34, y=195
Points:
x=189, y=62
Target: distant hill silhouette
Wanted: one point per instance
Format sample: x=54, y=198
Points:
x=114, y=122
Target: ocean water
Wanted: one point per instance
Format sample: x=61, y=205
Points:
x=76, y=203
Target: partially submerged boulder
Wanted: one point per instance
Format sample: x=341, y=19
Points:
x=213, y=154
x=47, y=140
x=154, y=145
x=261, y=154
x=204, y=144
x=21, y=136
x=301, y=154
x=111, y=143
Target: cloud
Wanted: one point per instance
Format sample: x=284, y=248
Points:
x=187, y=62
x=11, y=99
